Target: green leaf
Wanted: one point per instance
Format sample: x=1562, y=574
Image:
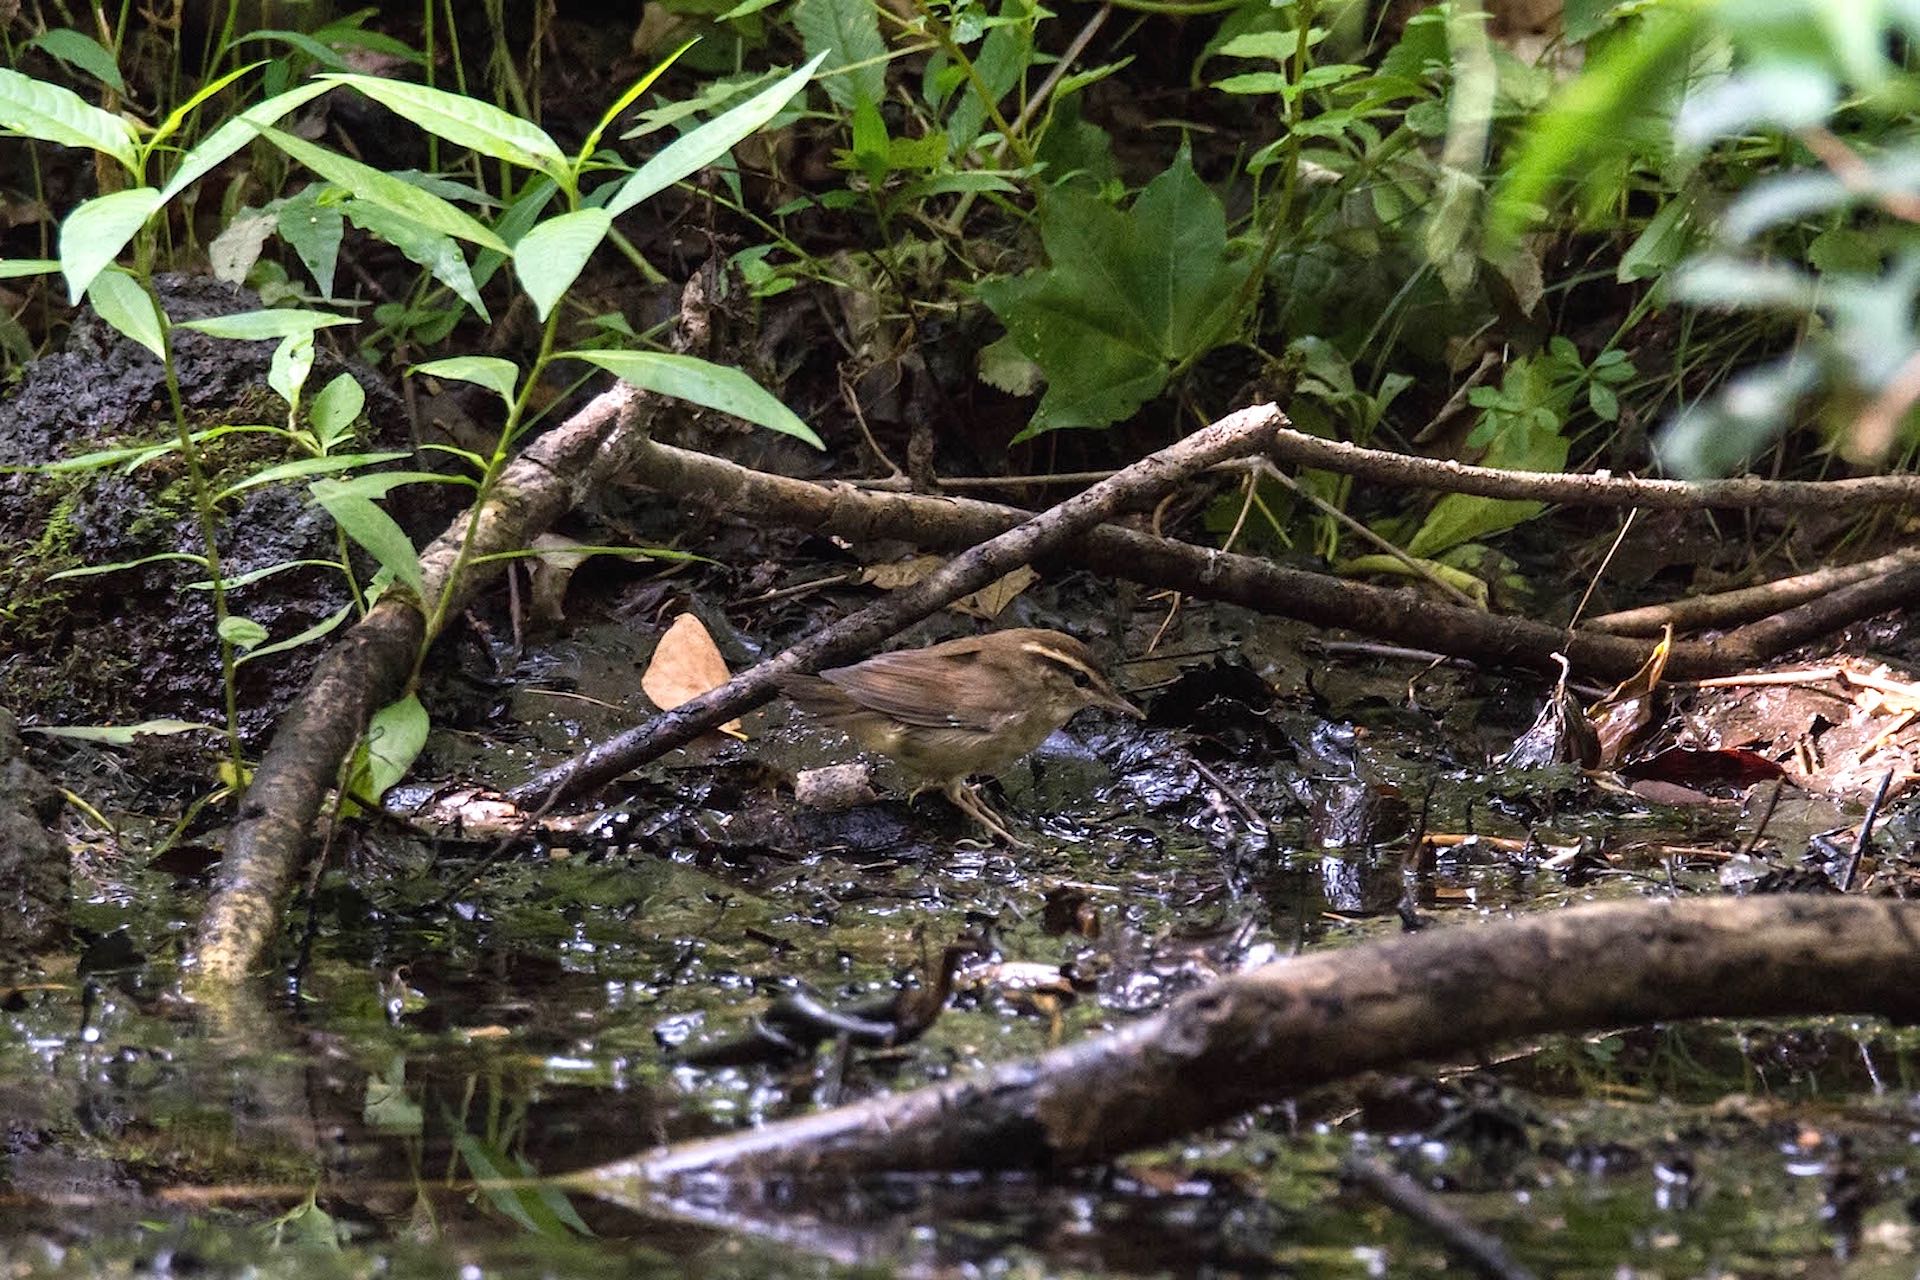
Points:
x=290, y=367
x=335, y=408
x=702, y=146
x=14, y=267
x=302, y=468
x=258, y=326
x=93, y=235
x=121, y=735
x=178, y=116
x=429, y=248
x=81, y=52
x=385, y=191
x=241, y=633
x=1660, y=244
x=497, y=375
x=371, y=528
x=32, y=108
x=95, y=570
x=122, y=303
x=1587, y=121
x=315, y=229
x=237, y=133
x=1126, y=297
x=307, y=636
x=591, y=142
x=1004, y=56
x=840, y=34
x=395, y=737
x=466, y=122
x=715, y=386
x=549, y=258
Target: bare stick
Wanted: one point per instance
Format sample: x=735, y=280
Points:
x=1238, y=434
x=1461, y=1238
x=1402, y=469
x=1720, y=608
x=1256, y=1038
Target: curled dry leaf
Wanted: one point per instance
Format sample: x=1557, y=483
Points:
x=985, y=604
x=686, y=663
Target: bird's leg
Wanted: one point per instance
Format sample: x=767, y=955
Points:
x=968, y=801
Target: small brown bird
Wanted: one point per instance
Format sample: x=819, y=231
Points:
x=968, y=706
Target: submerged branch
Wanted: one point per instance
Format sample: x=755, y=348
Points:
x=1254, y=1039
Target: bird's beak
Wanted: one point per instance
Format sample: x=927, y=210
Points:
x=1114, y=702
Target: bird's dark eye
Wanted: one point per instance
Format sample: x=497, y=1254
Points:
x=1082, y=680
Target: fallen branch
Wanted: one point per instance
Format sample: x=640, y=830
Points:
x=1720, y=608
x=1409, y=471
x=368, y=668
x=942, y=522
x=1236, y=435
x=1256, y=1038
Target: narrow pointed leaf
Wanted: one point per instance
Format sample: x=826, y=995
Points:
x=237, y=133
x=713, y=385
x=367, y=183
x=466, y=122
x=704, y=145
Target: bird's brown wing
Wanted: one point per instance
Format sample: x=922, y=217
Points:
x=897, y=685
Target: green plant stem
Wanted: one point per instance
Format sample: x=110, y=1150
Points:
x=209, y=536
x=943, y=37
x=437, y=615
x=1289, y=178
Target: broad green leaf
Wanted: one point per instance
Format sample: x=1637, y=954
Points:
x=549, y=258
x=497, y=375
x=303, y=468
x=13, y=267
x=258, y=326
x=32, y=108
x=379, y=484
x=713, y=385
x=315, y=229
x=1125, y=298
x=81, y=52
x=518, y=219
x=466, y=122
x=290, y=367
x=429, y=248
x=120, y=735
x=1460, y=517
x=395, y=737
x=702, y=146
x=335, y=408
x=237, y=133
x=385, y=191
x=323, y=55
x=124, y=304
x=373, y=529
x=241, y=633
x=840, y=34
x=94, y=234
x=95, y=570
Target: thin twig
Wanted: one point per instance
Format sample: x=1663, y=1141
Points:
x=1480, y=1251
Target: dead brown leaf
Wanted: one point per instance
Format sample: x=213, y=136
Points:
x=686, y=663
